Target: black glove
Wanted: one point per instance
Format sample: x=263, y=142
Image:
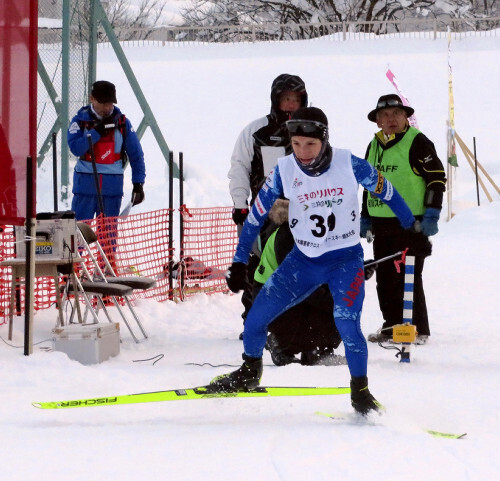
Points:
x=137, y=194
x=370, y=270
x=104, y=125
x=366, y=229
x=239, y=215
x=236, y=276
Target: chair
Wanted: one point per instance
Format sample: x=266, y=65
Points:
x=113, y=286
x=93, y=294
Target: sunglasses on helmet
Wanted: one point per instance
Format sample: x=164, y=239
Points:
x=382, y=104
x=305, y=126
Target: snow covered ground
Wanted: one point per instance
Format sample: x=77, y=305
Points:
x=202, y=97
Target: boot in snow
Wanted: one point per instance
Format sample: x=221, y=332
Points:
x=280, y=357
x=361, y=399
x=246, y=378
x=382, y=335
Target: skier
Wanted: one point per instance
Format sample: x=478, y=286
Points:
x=321, y=183
x=114, y=140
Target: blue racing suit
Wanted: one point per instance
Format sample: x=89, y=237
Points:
x=300, y=274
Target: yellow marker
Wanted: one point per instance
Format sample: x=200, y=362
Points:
x=404, y=333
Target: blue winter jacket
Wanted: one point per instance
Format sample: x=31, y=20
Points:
x=110, y=175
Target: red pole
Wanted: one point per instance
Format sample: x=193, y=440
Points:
x=33, y=76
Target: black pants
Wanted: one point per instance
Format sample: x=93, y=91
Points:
x=247, y=296
x=390, y=283
x=308, y=326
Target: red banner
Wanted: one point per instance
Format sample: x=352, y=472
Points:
x=18, y=77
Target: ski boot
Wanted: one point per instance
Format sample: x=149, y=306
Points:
x=246, y=378
x=279, y=356
x=382, y=335
x=322, y=357
x=361, y=399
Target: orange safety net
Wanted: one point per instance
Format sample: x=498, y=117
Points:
x=44, y=288
x=6, y=251
x=138, y=245
x=208, y=245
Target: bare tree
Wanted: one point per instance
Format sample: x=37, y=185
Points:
x=238, y=12
x=128, y=19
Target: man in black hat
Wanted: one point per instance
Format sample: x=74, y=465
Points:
x=114, y=141
x=408, y=159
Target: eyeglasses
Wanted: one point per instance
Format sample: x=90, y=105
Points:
x=306, y=127
x=382, y=104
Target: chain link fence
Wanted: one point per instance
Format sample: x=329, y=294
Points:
x=50, y=85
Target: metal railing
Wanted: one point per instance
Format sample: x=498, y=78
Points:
x=336, y=31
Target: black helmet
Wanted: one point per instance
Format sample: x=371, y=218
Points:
x=308, y=122
x=312, y=122
x=285, y=82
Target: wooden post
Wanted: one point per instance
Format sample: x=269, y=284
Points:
x=481, y=168
x=468, y=156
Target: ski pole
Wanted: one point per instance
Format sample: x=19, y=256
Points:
x=54, y=168
x=96, y=176
x=126, y=211
x=383, y=259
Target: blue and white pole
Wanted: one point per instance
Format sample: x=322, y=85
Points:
x=408, y=303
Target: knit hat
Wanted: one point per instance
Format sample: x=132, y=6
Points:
x=104, y=92
x=387, y=101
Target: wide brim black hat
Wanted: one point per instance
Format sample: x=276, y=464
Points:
x=389, y=101
x=104, y=92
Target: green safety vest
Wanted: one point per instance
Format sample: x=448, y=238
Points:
x=395, y=167
x=268, y=263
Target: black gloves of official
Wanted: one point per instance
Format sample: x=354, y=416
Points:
x=239, y=215
x=137, y=194
x=365, y=230
x=369, y=269
x=236, y=276
x=104, y=125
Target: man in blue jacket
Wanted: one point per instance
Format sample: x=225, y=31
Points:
x=114, y=141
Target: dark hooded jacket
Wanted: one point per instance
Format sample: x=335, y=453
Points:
x=262, y=143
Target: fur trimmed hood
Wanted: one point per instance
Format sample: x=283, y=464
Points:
x=279, y=211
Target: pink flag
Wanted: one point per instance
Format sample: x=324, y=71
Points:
x=392, y=79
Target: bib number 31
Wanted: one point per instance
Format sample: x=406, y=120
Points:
x=321, y=227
